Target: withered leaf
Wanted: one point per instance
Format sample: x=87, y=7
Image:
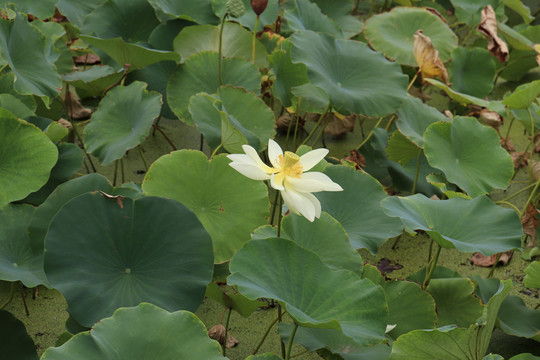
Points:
x=76, y=110
x=535, y=170
x=283, y=121
x=537, y=49
x=217, y=332
x=530, y=222
x=339, y=125
x=427, y=58
x=487, y=261
x=507, y=144
x=65, y=123
x=490, y=118
x=488, y=27
x=520, y=159
x=358, y=159
x=385, y=266
x=87, y=59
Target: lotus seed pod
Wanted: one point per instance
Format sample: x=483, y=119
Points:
x=258, y=6
x=236, y=8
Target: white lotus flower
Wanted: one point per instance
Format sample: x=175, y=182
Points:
x=288, y=175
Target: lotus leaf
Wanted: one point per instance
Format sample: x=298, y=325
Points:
x=532, y=279
x=469, y=154
x=127, y=252
x=495, y=229
x=308, y=16
x=472, y=71
x=465, y=99
x=229, y=205
x=523, y=96
x=15, y=343
x=198, y=11
x=142, y=332
x=313, y=294
x=77, y=10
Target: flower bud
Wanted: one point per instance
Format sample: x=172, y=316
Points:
x=258, y=6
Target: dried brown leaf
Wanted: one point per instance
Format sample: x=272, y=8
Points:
x=487, y=261
x=507, y=144
x=87, y=59
x=217, y=332
x=358, y=159
x=76, y=110
x=385, y=266
x=339, y=125
x=65, y=123
x=488, y=27
x=529, y=221
x=427, y=58
x=490, y=118
x=520, y=159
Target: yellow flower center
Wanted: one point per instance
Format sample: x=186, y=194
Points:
x=290, y=164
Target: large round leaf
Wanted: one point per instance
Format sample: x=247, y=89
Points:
x=143, y=332
x=494, y=229
x=77, y=10
x=20, y=45
x=133, y=21
x=415, y=117
x=41, y=9
x=127, y=252
x=26, y=157
x=472, y=71
x=122, y=121
x=199, y=73
x=236, y=42
x=466, y=99
x=15, y=343
x=469, y=154
x=243, y=110
x=313, y=294
x=357, y=208
x=229, y=205
x=392, y=33
x=94, y=81
x=308, y=16
x=199, y=11
x=16, y=260
x=532, y=279
x=357, y=79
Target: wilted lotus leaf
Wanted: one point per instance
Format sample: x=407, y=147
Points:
x=356, y=158
x=75, y=108
x=427, y=58
x=339, y=125
x=488, y=261
x=217, y=332
x=488, y=26
x=490, y=118
x=520, y=159
x=530, y=222
x=537, y=49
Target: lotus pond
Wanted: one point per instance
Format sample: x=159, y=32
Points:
x=264, y=179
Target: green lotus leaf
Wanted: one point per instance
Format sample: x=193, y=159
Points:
x=231, y=138
x=133, y=21
x=523, y=10
x=27, y=157
x=232, y=299
x=53, y=33
x=310, y=98
x=456, y=303
x=70, y=160
x=14, y=340
x=465, y=99
x=469, y=12
x=514, y=317
x=494, y=230
x=415, y=117
x=440, y=272
x=523, y=96
x=127, y=252
x=376, y=88
x=95, y=80
x=392, y=33
x=357, y=208
x=288, y=74
x=526, y=356
x=199, y=73
x=516, y=39
x=122, y=121
x=338, y=343
x=42, y=9
x=493, y=357
x=236, y=42
x=142, y=332
x=16, y=261
x=532, y=279
x=401, y=149
x=340, y=11
x=6, y=87
x=308, y=16
x=238, y=107
x=469, y=154
x=313, y=294
x=410, y=307
x=336, y=254
x=267, y=356
x=229, y=205
x=450, y=341
x=15, y=106
x=45, y=212
x=248, y=19
x=472, y=71
x=123, y=53
x=21, y=44
x=197, y=11
x=77, y=10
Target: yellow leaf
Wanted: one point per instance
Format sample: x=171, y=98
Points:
x=427, y=58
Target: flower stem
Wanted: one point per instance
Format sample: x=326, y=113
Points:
x=274, y=207
x=509, y=204
x=226, y=331
x=431, y=267
x=221, y=48
x=413, y=80
x=291, y=338
x=158, y=128
x=216, y=150
x=413, y=191
x=509, y=127
x=532, y=142
x=10, y=298
x=494, y=265
x=265, y=335
x=254, y=38
x=323, y=115
x=518, y=192
x=143, y=158
x=122, y=169
x=370, y=134
x=529, y=199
